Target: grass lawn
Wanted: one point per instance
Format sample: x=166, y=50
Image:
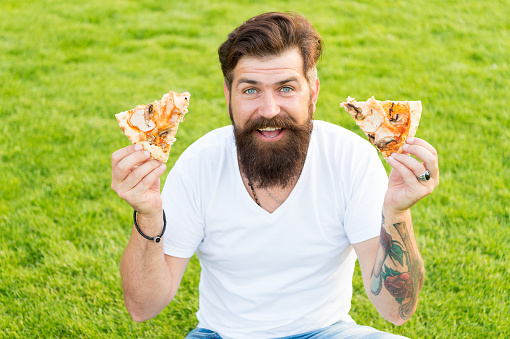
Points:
x=66, y=67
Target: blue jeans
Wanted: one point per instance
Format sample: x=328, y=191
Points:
x=340, y=330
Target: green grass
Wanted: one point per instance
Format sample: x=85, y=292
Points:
x=67, y=67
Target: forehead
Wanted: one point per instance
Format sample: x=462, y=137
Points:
x=289, y=63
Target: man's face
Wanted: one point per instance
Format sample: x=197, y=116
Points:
x=271, y=105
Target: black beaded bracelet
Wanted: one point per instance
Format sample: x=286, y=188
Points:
x=156, y=238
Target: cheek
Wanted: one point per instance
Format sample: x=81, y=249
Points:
x=298, y=110
x=242, y=111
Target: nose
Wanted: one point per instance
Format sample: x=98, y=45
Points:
x=269, y=106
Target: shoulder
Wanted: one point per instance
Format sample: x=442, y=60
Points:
x=202, y=162
x=212, y=144
x=344, y=154
x=213, y=139
x=337, y=139
x=205, y=158
x=330, y=130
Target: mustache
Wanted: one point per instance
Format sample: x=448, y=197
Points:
x=278, y=121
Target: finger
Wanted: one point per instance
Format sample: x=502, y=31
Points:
x=138, y=178
x=146, y=182
x=423, y=143
x=426, y=154
x=120, y=154
x=416, y=166
x=125, y=166
x=405, y=172
x=151, y=178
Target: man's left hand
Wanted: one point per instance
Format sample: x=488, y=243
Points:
x=404, y=187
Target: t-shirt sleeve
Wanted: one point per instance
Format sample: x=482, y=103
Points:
x=363, y=214
x=185, y=225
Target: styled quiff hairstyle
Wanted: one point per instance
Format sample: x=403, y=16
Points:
x=271, y=34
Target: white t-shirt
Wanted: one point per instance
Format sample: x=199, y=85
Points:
x=267, y=275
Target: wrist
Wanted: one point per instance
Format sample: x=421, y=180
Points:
x=149, y=218
x=391, y=213
x=151, y=227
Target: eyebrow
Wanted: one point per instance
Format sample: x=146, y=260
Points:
x=247, y=81
x=254, y=82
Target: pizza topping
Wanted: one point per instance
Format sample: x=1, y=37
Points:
x=373, y=120
x=154, y=125
x=357, y=114
x=395, y=119
x=383, y=138
x=385, y=143
x=164, y=133
x=138, y=120
x=387, y=124
x=148, y=113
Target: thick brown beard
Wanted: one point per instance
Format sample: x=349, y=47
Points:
x=270, y=164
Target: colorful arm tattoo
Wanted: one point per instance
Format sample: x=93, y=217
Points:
x=403, y=282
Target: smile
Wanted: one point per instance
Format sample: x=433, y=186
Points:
x=270, y=133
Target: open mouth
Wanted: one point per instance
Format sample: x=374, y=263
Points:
x=270, y=132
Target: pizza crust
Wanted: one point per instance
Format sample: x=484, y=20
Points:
x=155, y=151
x=155, y=125
x=415, y=107
x=133, y=135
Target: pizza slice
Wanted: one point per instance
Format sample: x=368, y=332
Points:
x=154, y=125
x=387, y=124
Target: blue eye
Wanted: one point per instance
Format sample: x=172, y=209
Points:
x=286, y=89
x=250, y=91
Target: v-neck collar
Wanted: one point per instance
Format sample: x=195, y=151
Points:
x=246, y=197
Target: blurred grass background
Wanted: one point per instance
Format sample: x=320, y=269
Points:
x=67, y=67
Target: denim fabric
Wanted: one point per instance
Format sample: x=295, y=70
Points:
x=202, y=333
x=341, y=330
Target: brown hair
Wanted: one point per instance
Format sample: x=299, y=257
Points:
x=270, y=34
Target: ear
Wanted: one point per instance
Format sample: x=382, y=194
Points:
x=227, y=94
x=315, y=91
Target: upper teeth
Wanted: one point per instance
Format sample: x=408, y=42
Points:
x=268, y=129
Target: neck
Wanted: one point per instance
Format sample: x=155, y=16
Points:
x=268, y=198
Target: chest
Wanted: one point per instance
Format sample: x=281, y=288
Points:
x=305, y=233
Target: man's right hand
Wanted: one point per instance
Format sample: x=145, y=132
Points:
x=149, y=279
x=135, y=178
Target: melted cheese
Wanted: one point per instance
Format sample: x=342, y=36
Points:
x=138, y=120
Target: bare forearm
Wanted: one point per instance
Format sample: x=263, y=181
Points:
x=398, y=272
x=146, y=279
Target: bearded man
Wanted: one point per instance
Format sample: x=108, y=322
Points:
x=277, y=206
